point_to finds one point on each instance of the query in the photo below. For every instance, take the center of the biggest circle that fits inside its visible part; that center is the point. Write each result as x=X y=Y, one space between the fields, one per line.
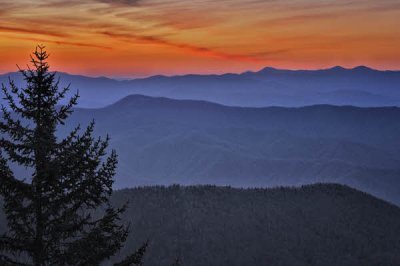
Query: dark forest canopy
x=323 y=224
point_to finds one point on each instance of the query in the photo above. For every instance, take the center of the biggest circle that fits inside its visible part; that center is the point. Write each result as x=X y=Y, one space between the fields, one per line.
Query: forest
x=322 y=224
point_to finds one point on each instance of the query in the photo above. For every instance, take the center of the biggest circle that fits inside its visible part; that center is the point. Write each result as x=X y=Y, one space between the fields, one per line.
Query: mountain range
x=166 y=141
x=175 y=140
x=359 y=86
x=227 y=139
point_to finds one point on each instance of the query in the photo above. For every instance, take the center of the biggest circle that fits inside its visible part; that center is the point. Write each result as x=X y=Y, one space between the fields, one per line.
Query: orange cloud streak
x=187 y=47
x=79 y=44
x=31 y=31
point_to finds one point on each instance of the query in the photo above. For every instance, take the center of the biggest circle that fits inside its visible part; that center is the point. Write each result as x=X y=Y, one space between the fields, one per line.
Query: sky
x=136 y=38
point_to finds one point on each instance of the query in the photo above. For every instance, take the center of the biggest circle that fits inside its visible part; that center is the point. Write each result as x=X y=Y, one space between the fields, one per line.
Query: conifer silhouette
x=50 y=213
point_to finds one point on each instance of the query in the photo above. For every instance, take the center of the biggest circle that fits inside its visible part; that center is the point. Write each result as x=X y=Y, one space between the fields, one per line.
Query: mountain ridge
x=165 y=100
x=319 y=224
x=165 y=141
x=123 y=79
x=358 y=86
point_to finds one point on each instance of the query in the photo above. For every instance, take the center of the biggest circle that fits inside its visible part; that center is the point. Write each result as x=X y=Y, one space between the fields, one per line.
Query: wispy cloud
x=187 y=47
x=31 y=31
x=60 y=42
x=296 y=19
x=121 y=2
x=269 y=53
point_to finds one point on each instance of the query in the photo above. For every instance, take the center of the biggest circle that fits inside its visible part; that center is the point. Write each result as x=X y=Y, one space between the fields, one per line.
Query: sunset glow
x=132 y=38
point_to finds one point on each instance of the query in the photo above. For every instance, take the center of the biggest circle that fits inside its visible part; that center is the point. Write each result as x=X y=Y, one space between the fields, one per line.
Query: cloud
x=266 y=54
x=70 y=3
x=60 y=42
x=31 y=31
x=187 y=20
x=295 y=20
x=187 y=47
x=384 y=7
x=120 y=2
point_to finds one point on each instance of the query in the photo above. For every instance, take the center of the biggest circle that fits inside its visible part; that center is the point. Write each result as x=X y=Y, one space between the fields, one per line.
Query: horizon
x=121 y=78
x=141 y=38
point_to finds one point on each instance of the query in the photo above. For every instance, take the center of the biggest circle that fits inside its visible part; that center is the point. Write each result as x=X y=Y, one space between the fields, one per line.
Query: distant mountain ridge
x=167 y=141
x=359 y=86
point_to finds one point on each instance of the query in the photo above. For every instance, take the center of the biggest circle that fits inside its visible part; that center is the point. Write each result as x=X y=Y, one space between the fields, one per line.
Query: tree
x=50 y=214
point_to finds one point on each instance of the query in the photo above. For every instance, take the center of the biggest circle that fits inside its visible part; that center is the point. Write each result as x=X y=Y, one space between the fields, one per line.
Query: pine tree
x=50 y=214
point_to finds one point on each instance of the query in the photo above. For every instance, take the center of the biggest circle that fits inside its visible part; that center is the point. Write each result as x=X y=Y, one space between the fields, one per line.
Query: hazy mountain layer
x=360 y=86
x=163 y=141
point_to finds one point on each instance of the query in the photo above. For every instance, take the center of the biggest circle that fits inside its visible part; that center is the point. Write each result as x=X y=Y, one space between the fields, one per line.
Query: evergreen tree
x=50 y=213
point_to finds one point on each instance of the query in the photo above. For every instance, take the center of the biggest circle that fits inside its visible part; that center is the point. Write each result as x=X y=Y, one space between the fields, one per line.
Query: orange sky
x=131 y=38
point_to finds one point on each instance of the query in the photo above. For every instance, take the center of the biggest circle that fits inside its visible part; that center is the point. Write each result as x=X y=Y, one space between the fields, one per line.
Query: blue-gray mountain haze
x=360 y=86
x=166 y=141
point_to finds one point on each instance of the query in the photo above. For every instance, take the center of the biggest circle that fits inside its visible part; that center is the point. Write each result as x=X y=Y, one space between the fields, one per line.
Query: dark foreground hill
x=322 y=224
x=313 y=225
x=164 y=141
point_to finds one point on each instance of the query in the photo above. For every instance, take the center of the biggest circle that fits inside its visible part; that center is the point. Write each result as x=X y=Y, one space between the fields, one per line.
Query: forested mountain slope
x=164 y=141
x=313 y=225
x=322 y=224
